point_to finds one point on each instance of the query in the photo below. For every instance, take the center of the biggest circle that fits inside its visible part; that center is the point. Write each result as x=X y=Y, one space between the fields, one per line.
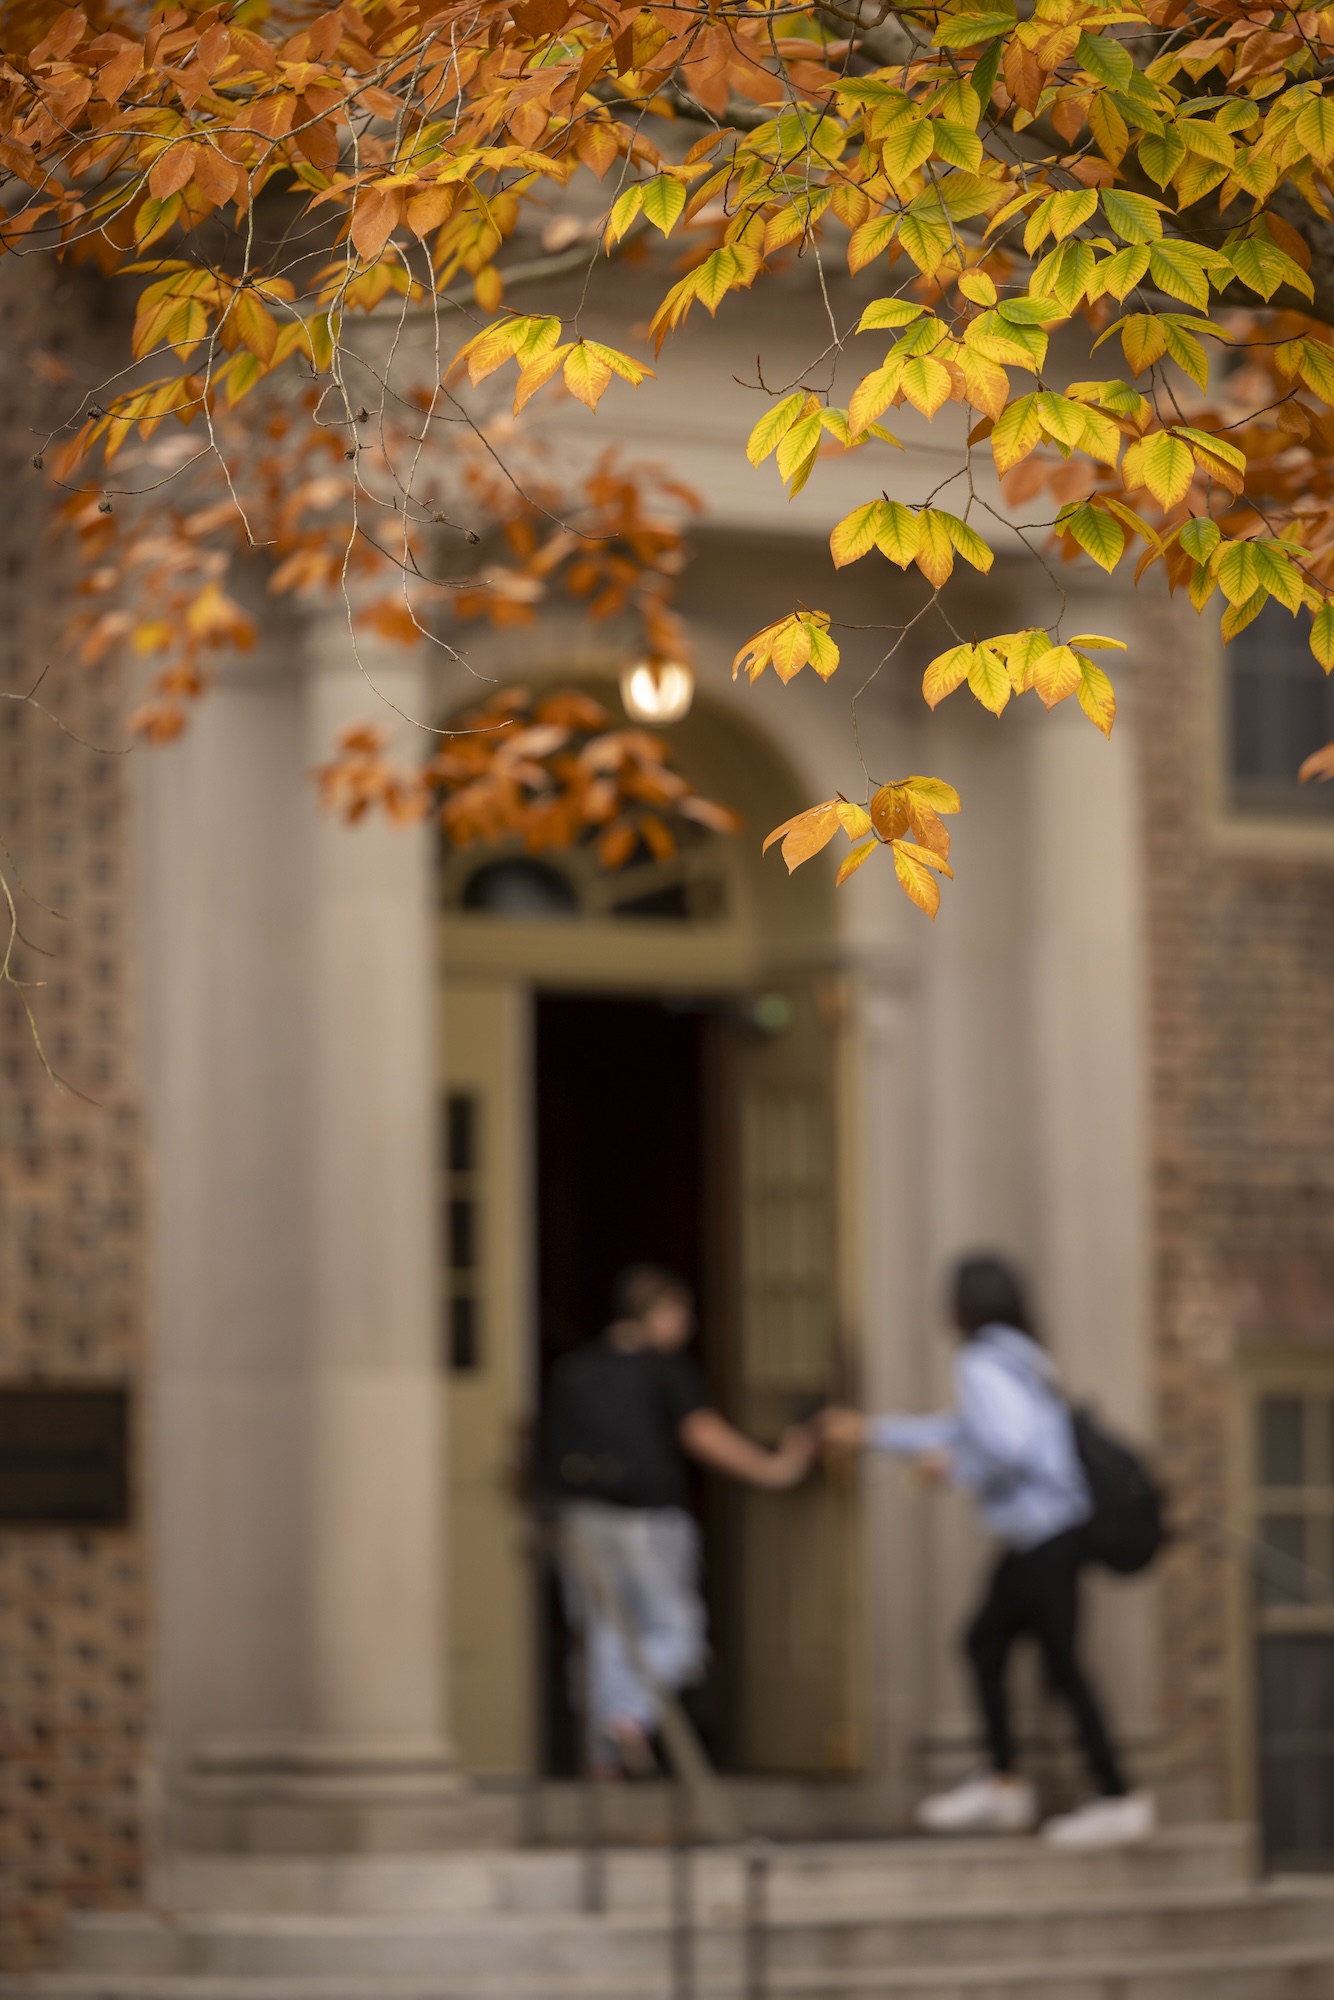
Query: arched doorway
x=645 y=1066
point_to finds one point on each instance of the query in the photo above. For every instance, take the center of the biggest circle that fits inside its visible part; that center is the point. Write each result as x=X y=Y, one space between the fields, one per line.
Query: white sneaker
x=1105 y=1823
x=987 y=1804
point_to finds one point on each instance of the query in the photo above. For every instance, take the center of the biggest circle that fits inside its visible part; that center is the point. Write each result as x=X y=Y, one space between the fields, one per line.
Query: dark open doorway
x=622 y=1178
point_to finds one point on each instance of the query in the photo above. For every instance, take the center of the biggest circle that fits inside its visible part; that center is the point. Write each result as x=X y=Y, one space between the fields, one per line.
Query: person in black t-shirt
x=625 y=1411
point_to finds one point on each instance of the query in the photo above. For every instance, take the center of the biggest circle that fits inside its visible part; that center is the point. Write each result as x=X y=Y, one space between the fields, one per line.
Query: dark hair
x=639 y=1287
x=989 y=1292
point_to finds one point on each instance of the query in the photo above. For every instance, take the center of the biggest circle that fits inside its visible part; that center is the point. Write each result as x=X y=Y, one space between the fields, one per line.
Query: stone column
x=376 y=1446
x=297 y=1463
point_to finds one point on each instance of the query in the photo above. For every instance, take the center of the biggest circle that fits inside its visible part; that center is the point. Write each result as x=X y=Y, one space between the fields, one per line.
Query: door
x=794 y=1606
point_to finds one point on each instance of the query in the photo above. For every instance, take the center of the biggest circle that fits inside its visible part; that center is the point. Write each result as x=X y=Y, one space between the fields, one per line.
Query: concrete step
x=469 y=1953
x=838 y=1875
x=1297 y=1971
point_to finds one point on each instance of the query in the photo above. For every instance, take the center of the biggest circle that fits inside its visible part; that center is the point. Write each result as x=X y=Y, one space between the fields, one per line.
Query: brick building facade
x=1241 y=926
x=73 y=1612
x=1241 y=1091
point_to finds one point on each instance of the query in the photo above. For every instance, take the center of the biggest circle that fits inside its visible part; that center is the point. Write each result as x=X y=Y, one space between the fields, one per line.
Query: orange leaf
x=806 y=834
x=377 y=216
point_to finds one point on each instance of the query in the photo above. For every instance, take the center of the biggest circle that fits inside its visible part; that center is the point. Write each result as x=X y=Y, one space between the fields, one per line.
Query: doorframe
x=646 y=959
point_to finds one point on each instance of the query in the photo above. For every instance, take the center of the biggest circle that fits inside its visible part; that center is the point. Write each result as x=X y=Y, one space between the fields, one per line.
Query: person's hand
x=933 y=1467
x=841 y=1432
x=794 y=1457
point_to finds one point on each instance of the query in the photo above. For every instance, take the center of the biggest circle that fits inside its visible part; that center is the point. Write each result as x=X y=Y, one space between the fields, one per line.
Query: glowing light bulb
x=657 y=690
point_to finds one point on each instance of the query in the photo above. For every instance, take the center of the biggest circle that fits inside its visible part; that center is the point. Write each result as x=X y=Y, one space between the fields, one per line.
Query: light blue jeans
x=630 y=1580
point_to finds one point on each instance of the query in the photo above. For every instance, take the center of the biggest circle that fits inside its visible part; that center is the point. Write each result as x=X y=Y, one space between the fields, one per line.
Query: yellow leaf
x=988 y=679
x=946 y=672
x=928 y=856
x=1095 y=643
x=935 y=549
x=933 y=792
x=926 y=384
x=774 y=425
x=1055 y=675
x=918 y=882
x=1018 y=430
x=663 y=200
x=968 y=542
x=898 y=532
x=1162 y=463
x=1097 y=697
x=488 y=288
x=852 y=862
x=257 y=328
x=537 y=372
x=824 y=653
x=855 y=534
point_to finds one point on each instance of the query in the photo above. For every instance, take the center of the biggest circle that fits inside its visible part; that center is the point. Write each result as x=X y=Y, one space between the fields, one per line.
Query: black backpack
x=1128 y=1526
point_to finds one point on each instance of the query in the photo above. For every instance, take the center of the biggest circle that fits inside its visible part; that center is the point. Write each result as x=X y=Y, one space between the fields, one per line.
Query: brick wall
x=1242 y=978
x=73 y=1643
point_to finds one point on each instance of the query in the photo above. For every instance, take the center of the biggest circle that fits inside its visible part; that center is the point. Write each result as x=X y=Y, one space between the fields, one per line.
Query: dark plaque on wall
x=64 y=1457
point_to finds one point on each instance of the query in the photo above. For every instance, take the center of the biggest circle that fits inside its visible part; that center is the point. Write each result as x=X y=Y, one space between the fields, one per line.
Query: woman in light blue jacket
x=1009 y=1444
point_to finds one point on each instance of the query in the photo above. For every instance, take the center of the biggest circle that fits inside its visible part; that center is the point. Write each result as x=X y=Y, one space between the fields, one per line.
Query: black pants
x=1037 y=1592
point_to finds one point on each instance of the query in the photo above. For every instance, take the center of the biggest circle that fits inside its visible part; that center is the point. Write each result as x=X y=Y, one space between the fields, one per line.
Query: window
x=1280 y=707
x=462 y=1232
x=64 y=1457
x=1292 y=1566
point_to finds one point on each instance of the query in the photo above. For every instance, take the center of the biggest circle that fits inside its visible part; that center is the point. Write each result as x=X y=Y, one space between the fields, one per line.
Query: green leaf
x=968 y=542
x=1322 y=636
x=1064 y=275
x=855 y=534
x=1121 y=273
x=1315 y=128
x=945 y=673
x=773 y=426
x=1015 y=433
x=958 y=145
x=1070 y=211
x=882 y=314
x=824 y=650
x=800 y=443
x=664 y=199
x=1213 y=447
x=1029 y=311
x=1187 y=352
x=1238 y=572
x=1279 y=576
x=988 y=679
x=1263 y=267
x=1097 y=533
x=1238 y=616
x=1161 y=153
x=1106 y=59
x=1317 y=370
x=926 y=242
x=907 y=147
x=1134 y=217
x=1176 y=270
x=1200 y=537
x=899 y=533
x=624 y=210
x=964 y=31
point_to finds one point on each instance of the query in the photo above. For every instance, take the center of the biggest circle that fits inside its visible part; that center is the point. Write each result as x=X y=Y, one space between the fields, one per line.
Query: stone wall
x=73 y=1616
x=1242 y=978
